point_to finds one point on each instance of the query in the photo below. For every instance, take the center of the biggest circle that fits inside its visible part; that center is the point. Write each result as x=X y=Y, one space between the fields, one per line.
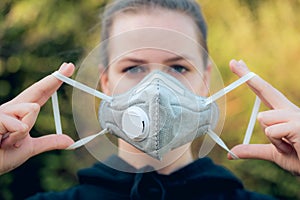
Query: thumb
x=253 y=151
x=51 y=142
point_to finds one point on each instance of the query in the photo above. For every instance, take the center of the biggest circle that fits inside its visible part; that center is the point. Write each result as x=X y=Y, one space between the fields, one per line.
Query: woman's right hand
x=18 y=116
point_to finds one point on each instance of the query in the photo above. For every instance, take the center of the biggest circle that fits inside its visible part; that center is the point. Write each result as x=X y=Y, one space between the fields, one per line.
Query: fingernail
x=64 y=65
x=233 y=62
x=242 y=62
x=259 y=116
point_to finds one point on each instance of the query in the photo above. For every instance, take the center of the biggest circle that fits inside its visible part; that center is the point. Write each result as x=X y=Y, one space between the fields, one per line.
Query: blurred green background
x=37 y=36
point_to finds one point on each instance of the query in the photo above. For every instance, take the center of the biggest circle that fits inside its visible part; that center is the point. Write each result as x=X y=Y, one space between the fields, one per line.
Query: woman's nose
x=156 y=66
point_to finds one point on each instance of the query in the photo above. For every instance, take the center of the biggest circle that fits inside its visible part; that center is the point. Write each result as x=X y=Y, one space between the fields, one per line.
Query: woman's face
x=169 y=47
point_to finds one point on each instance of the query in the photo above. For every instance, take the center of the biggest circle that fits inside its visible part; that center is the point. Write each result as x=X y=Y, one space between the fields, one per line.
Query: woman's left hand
x=281 y=125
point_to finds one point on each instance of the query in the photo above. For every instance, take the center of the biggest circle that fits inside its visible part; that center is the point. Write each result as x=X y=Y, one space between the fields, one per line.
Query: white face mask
x=157 y=115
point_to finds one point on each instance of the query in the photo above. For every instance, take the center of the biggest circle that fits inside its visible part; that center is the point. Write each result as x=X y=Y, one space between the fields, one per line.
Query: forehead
x=155 y=17
x=162 y=29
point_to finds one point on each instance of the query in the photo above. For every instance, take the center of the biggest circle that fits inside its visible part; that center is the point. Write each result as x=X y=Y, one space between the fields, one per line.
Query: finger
x=13 y=139
x=50 y=142
x=253 y=151
x=32 y=115
x=9 y=124
x=266 y=92
x=28 y=116
x=282 y=136
x=42 y=90
x=20 y=110
x=272 y=117
x=27 y=113
x=288 y=130
x=281 y=145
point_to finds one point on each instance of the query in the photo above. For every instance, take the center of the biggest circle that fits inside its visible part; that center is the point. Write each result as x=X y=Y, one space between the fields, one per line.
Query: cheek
x=204 y=91
x=199 y=88
x=196 y=84
x=120 y=85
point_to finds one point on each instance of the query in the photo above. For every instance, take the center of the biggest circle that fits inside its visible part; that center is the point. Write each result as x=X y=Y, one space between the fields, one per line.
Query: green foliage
x=6 y=180
x=37 y=36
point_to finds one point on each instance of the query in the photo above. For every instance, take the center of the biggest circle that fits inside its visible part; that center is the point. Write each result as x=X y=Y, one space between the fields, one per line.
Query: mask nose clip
x=135 y=123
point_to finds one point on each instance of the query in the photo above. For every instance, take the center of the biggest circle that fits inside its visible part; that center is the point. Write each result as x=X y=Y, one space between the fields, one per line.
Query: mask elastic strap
x=82 y=87
x=229 y=88
x=77 y=85
x=248 y=133
x=56 y=113
x=252 y=121
x=251 y=124
x=220 y=142
x=58 y=128
x=86 y=140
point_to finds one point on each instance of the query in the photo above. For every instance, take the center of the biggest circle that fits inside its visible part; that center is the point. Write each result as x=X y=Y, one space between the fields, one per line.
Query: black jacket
x=200 y=180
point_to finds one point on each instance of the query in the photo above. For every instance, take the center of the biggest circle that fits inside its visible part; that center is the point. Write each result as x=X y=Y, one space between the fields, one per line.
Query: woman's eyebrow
x=134 y=60
x=178 y=58
x=143 y=61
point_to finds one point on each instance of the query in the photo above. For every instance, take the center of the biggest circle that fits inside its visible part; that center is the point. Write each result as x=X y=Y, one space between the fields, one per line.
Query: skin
x=18 y=116
x=132 y=67
x=280 y=124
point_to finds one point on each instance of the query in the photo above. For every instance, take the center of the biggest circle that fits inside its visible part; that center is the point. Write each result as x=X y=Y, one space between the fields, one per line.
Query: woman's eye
x=134 y=69
x=178 y=69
